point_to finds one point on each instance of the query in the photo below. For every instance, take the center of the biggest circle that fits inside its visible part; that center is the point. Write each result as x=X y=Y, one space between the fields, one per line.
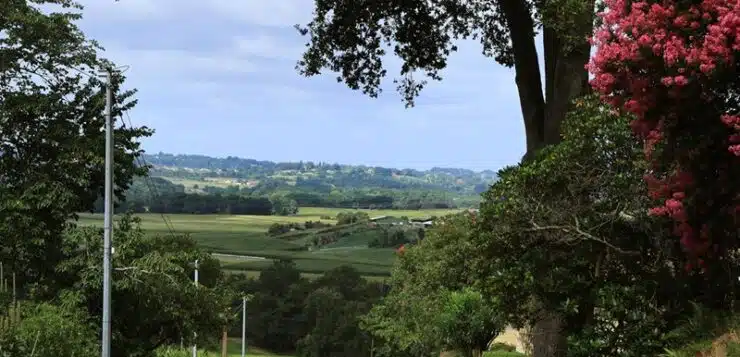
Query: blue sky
x=216 y=77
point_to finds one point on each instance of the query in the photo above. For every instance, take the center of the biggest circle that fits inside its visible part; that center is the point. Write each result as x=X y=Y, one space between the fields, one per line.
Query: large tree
x=51 y=131
x=352 y=38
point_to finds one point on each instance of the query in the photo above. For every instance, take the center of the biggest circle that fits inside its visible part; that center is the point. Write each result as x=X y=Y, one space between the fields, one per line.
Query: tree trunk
x=527 y=69
x=565 y=79
x=565 y=75
x=548 y=336
x=224 y=342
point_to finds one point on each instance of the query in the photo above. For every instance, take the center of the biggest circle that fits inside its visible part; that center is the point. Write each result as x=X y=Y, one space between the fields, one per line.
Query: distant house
x=422 y=224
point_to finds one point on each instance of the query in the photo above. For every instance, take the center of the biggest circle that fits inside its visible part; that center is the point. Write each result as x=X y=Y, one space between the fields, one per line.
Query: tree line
x=159 y=195
x=315 y=175
x=366 y=198
x=191 y=203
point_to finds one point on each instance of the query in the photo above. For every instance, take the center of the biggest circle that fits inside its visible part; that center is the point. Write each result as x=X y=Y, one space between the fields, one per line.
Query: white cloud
x=272 y=13
x=269 y=13
x=179 y=63
x=124 y=9
x=267 y=46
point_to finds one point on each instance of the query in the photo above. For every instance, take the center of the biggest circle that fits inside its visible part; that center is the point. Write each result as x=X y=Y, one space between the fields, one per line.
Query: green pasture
x=244 y=235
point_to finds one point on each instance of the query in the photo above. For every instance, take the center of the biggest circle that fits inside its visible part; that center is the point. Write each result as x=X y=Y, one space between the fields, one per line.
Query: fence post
x=224 y=341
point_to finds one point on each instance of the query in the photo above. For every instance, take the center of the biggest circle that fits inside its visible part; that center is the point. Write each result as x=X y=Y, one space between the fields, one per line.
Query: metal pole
x=108 y=223
x=195 y=334
x=244 y=326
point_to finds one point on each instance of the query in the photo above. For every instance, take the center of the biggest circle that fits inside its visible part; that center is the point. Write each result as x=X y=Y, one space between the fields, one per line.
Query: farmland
x=241 y=242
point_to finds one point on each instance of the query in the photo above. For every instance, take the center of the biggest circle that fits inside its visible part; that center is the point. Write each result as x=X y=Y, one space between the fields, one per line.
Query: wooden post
x=224 y=342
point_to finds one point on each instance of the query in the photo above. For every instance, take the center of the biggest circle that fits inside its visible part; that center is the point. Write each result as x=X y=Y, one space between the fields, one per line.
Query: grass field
x=245 y=236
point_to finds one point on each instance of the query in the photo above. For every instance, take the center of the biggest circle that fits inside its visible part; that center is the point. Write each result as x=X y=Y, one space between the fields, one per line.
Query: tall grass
x=10 y=312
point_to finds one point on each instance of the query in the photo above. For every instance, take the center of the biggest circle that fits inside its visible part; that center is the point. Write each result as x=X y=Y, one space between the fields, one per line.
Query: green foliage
x=332 y=311
x=154 y=294
x=318 y=318
x=49 y=330
x=407 y=320
x=277 y=318
x=566 y=234
x=283 y=206
x=51 y=137
x=703 y=331
x=554 y=227
x=171 y=198
x=503 y=354
x=394 y=237
x=282 y=228
x=351 y=217
x=504 y=347
x=467 y=321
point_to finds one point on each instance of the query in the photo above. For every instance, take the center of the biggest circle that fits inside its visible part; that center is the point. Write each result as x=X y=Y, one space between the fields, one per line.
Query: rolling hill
x=196 y=172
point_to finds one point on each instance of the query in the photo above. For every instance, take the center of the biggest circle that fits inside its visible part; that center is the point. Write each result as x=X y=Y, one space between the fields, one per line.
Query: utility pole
x=108 y=223
x=244 y=326
x=195 y=334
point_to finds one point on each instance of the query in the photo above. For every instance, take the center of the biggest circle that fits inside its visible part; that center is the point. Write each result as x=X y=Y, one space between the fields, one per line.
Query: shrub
x=49 y=330
x=500 y=346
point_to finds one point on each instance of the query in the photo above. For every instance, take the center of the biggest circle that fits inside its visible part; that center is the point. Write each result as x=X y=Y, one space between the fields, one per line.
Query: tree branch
x=576 y=229
x=137 y=269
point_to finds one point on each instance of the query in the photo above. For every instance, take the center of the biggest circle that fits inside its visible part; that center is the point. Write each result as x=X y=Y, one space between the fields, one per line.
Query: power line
x=153 y=192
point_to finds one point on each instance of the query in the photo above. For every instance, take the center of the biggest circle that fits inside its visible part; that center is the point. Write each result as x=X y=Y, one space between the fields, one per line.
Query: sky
x=217 y=78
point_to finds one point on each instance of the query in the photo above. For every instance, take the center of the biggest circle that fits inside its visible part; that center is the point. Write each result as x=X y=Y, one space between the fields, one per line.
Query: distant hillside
x=319 y=176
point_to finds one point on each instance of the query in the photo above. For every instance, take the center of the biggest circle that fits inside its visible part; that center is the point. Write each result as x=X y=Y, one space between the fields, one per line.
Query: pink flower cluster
x=654 y=59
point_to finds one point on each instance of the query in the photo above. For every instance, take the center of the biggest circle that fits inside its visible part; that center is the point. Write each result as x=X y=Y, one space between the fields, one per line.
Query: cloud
x=225 y=69
x=268 y=46
x=179 y=64
x=268 y=13
x=123 y=10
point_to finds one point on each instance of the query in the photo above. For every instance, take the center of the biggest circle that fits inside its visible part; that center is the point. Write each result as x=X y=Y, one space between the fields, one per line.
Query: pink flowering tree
x=673 y=65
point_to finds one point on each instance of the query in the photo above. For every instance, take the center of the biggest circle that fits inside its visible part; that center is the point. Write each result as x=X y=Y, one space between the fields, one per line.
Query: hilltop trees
x=352 y=37
x=51 y=138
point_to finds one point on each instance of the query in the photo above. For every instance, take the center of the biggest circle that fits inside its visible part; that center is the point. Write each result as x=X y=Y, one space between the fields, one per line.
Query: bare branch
x=137 y=269
x=576 y=229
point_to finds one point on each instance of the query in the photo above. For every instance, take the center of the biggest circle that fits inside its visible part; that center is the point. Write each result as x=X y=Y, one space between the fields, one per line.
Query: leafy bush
x=170 y=351
x=351 y=217
x=503 y=354
x=500 y=346
x=467 y=322
x=49 y=330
